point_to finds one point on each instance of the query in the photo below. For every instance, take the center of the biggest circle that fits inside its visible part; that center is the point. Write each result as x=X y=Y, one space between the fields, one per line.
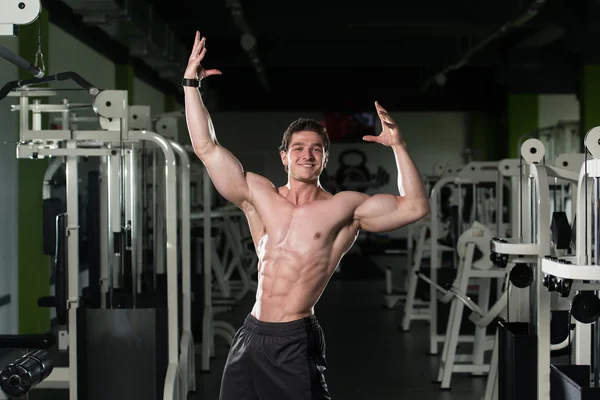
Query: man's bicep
x=375 y=206
x=227 y=175
x=381 y=213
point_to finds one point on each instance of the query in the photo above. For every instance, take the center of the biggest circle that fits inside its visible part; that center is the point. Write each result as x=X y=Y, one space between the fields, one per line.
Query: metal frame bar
x=187 y=359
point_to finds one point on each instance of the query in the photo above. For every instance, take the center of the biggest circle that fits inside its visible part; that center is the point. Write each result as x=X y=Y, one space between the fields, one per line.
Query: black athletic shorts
x=276 y=361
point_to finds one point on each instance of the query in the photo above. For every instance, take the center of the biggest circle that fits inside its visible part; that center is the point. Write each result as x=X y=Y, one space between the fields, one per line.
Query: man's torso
x=298 y=247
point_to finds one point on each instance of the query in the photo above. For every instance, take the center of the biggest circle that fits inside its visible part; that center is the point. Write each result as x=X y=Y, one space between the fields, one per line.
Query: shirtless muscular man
x=300 y=232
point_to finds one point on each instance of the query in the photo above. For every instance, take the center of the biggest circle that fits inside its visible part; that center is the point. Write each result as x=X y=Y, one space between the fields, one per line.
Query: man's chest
x=320 y=221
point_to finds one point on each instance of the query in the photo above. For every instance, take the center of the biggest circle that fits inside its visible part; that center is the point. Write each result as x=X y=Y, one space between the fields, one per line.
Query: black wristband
x=190 y=82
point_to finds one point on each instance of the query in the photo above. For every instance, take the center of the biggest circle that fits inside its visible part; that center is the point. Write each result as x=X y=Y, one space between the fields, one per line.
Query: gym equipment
x=115 y=144
x=39 y=341
x=585 y=307
x=25 y=373
x=222 y=251
x=526 y=254
x=121 y=219
x=582 y=268
x=19 y=377
x=15 y=14
x=478 y=236
x=59 y=300
x=580 y=271
x=561 y=230
x=472 y=174
x=167 y=127
x=521 y=275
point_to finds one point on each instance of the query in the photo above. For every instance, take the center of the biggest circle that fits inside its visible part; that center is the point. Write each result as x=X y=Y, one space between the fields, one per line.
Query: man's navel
x=317 y=235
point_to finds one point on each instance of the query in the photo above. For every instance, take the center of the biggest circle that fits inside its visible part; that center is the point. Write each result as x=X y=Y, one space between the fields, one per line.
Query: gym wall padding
x=589 y=98
x=522 y=118
x=9 y=132
x=34 y=268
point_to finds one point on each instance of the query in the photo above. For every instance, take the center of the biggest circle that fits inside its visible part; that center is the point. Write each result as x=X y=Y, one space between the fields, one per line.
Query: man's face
x=305 y=158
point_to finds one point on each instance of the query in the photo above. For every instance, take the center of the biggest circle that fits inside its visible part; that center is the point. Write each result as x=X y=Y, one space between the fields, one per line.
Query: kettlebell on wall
x=356 y=176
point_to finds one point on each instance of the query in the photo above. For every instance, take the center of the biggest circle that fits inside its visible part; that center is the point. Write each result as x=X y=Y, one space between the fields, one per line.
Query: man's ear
x=326 y=159
x=284 y=159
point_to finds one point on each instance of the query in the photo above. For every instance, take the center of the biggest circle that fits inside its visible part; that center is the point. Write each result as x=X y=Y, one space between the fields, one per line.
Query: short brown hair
x=304 y=124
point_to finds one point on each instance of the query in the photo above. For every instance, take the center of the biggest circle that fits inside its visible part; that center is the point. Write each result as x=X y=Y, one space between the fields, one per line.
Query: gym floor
x=368 y=357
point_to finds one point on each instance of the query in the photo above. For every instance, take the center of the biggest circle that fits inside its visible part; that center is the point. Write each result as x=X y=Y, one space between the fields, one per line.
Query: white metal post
x=72 y=264
x=104 y=230
x=170 y=205
x=187 y=340
x=172 y=378
x=541 y=295
x=114 y=195
x=185 y=234
x=207 y=318
x=583 y=332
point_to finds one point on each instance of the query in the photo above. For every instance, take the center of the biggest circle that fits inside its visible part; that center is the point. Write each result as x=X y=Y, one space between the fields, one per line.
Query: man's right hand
x=194 y=70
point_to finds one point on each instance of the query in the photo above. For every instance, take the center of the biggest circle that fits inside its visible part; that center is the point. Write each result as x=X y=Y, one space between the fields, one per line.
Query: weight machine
x=117 y=144
x=473 y=174
x=480 y=273
x=527 y=324
x=579 y=274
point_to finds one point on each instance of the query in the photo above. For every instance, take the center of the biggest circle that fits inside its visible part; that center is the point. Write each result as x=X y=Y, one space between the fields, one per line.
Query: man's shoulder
x=350 y=200
x=257 y=180
x=349 y=195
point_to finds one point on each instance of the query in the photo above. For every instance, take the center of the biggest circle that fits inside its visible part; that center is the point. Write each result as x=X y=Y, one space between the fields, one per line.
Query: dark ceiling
x=333 y=55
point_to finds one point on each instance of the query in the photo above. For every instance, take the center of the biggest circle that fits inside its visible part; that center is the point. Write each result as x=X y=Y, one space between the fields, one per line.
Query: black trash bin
x=122 y=354
x=572 y=382
x=517 y=361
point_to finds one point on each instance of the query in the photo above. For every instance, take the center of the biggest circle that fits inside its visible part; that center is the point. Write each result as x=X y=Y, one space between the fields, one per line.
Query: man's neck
x=300 y=193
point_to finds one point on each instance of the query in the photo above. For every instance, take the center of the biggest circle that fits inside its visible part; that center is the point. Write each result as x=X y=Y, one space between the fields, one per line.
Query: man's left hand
x=390 y=133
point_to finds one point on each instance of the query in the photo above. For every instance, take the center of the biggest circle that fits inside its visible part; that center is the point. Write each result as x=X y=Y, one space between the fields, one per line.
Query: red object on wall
x=345 y=127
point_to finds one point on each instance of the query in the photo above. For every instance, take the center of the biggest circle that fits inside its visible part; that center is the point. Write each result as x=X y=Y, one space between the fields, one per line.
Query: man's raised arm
x=225 y=170
x=386 y=212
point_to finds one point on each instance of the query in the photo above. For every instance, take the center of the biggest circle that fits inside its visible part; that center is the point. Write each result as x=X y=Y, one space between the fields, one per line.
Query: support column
x=589 y=98
x=486 y=136
x=34 y=265
x=124 y=80
x=522 y=119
